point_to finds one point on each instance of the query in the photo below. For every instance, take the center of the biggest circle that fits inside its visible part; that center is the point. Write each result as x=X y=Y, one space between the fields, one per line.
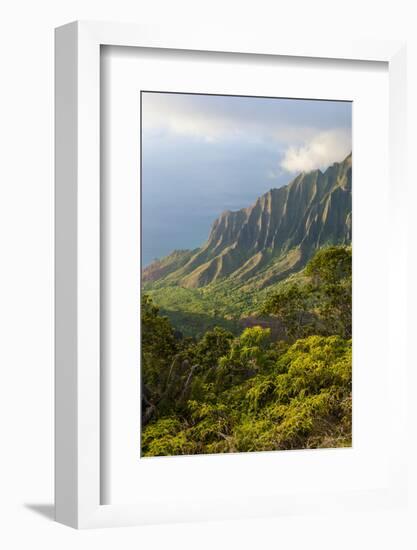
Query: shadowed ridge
x=312 y=210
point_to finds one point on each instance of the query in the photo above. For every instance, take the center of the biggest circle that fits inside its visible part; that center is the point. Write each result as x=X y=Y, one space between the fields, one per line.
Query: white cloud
x=177 y=114
x=319 y=152
x=214 y=118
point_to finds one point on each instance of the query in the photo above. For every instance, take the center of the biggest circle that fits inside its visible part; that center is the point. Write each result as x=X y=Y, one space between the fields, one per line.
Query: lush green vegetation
x=225 y=391
x=193 y=311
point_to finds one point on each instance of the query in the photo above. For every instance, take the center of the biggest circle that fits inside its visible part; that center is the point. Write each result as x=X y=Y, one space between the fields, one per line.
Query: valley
x=253 y=252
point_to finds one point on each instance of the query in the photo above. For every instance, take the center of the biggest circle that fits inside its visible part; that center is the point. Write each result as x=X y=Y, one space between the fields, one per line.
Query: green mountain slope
x=270 y=239
x=252 y=251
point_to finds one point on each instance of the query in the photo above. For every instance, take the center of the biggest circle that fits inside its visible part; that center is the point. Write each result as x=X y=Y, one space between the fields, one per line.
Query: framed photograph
x=230 y=241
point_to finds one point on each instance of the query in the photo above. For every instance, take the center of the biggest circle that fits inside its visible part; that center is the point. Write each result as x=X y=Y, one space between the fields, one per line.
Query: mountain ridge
x=273 y=237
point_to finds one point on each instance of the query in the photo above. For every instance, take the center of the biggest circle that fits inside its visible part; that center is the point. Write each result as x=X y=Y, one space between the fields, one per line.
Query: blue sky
x=204 y=154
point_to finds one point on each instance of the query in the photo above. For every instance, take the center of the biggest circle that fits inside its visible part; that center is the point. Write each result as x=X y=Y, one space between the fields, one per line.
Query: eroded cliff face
x=270 y=239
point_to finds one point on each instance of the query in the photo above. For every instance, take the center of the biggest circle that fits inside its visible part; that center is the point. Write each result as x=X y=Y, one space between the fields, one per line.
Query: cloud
x=319 y=152
x=182 y=115
x=215 y=118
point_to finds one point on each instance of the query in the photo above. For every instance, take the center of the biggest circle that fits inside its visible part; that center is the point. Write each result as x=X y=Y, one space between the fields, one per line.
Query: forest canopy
x=253 y=391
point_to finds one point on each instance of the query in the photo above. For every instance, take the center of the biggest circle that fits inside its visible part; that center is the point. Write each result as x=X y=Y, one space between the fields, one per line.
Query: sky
x=203 y=154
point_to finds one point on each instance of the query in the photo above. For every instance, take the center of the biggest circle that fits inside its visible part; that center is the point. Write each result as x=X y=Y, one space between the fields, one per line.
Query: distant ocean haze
x=187 y=184
x=202 y=155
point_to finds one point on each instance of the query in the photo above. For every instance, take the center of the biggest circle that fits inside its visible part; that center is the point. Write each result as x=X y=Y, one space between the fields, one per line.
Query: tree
x=331 y=273
x=330 y=265
x=247 y=355
x=323 y=304
x=214 y=344
x=290 y=306
x=158 y=350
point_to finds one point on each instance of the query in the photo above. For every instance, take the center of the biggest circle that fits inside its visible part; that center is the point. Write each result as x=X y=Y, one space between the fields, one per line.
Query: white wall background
x=26 y=272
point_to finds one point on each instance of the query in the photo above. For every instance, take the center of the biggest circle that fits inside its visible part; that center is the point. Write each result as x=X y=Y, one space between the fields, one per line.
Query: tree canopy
x=253 y=392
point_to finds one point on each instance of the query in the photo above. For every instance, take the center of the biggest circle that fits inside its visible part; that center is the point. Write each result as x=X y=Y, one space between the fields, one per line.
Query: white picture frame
x=78 y=405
